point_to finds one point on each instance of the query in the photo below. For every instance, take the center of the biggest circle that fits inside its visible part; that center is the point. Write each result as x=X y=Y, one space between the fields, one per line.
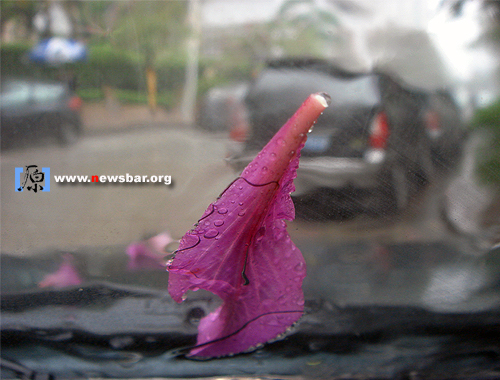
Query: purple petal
x=240 y=249
x=66 y=275
x=149 y=254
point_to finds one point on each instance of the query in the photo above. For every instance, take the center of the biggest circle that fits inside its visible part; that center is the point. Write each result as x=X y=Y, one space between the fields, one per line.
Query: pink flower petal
x=66 y=275
x=240 y=249
x=149 y=254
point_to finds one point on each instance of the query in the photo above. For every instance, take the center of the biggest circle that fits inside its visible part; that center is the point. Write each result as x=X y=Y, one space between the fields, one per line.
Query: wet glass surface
x=397 y=202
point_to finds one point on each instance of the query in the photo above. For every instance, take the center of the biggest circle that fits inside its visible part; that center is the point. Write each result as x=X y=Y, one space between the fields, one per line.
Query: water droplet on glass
x=218 y=223
x=211 y=233
x=223 y=210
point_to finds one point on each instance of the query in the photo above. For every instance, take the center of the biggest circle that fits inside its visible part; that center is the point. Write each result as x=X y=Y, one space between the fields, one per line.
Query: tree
x=303 y=28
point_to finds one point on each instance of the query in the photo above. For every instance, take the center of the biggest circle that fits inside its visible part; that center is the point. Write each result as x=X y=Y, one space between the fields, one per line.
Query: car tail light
x=379 y=131
x=75 y=103
x=433 y=123
x=238 y=121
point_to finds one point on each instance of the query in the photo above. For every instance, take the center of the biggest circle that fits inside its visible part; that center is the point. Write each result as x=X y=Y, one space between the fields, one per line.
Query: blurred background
x=398 y=195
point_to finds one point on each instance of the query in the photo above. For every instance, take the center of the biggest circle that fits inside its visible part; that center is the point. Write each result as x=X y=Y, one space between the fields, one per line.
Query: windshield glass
x=149 y=231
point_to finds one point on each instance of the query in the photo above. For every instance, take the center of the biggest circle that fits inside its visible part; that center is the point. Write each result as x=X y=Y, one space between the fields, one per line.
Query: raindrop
x=195 y=315
x=299 y=267
x=207 y=223
x=327 y=98
x=264 y=168
x=240 y=203
x=218 y=223
x=281 y=142
x=211 y=233
x=223 y=210
x=241 y=213
x=240 y=187
x=292 y=153
x=300 y=302
x=273 y=156
x=121 y=342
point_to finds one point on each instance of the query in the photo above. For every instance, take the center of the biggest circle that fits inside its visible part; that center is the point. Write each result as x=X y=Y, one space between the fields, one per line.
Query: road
x=71 y=216
x=76 y=215
x=413 y=258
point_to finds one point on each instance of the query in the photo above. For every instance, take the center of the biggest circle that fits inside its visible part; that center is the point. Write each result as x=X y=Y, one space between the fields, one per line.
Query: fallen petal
x=66 y=275
x=149 y=254
x=240 y=249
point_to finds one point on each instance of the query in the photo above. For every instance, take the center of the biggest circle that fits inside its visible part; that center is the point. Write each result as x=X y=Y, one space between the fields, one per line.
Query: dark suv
x=372 y=137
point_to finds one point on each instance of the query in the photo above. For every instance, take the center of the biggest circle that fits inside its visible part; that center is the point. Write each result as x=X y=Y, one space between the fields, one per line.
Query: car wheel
x=68 y=133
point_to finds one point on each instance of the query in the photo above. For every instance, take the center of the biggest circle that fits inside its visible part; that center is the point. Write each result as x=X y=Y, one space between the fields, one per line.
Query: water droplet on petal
x=218 y=223
x=211 y=233
x=206 y=223
x=273 y=156
x=241 y=213
x=264 y=168
x=299 y=267
x=300 y=302
x=281 y=142
x=223 y=210
x=240 y=203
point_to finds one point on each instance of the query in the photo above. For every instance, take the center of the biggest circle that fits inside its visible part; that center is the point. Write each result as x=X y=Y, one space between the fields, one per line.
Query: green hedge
x=489 y=161
x=125 y=72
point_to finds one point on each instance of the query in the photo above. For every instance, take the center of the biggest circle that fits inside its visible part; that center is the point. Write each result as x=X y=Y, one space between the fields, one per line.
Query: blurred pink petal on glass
x=149 y=254
x=66 y=275
x=241 y=251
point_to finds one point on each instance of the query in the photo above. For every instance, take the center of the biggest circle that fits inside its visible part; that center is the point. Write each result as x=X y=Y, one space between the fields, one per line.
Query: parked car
x=445 y=128
x=32 y=108
x=372 y=137
x=222 y=108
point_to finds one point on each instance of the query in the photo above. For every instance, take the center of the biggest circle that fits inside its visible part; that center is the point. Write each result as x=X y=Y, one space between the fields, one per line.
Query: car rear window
x=15 y=94
x=361 y=90
x=47 y=92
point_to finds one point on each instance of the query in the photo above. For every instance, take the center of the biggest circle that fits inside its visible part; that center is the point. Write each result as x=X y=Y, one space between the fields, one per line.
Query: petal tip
x=323 y=98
